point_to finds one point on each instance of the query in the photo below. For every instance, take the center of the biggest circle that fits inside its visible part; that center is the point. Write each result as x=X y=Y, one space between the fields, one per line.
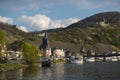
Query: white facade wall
x=59 y=53
x=48 y=52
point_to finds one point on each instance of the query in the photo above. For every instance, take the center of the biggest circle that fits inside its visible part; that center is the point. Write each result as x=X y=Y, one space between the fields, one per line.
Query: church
x=45 y=48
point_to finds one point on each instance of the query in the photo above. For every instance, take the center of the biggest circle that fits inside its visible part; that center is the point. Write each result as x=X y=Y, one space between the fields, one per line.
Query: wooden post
x=104 y=57
x=95 y=57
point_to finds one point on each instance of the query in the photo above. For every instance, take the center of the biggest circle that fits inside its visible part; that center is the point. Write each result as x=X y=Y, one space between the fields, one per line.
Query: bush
x=30 y=53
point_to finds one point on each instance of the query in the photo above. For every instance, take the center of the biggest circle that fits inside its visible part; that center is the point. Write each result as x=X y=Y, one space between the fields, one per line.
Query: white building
x=58 y=53
x=14 y=55
x=47 y=53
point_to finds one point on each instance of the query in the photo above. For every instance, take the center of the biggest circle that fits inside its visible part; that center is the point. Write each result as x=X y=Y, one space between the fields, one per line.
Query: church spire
x=45 y=43
x=45 y=35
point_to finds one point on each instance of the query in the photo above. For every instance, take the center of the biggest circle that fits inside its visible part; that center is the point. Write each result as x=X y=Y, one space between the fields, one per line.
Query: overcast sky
x=36 y=15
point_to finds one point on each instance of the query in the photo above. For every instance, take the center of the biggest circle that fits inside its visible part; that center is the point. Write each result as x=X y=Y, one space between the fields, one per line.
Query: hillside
x=12 y=33
x=100 y=32
x=112 y=18
x=102 y=28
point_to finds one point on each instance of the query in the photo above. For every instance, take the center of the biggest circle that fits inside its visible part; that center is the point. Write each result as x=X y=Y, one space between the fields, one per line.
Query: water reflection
x=30 y=72
x=11 y=75
x=73 y=72
x=53 y=73
x=61 y=71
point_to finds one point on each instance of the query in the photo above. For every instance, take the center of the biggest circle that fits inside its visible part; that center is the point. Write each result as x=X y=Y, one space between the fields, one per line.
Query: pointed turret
x=45 y=43
x=46 y=35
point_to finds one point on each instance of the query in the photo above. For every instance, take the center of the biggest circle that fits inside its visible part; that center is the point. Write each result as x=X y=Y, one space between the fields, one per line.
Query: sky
x=37 y=15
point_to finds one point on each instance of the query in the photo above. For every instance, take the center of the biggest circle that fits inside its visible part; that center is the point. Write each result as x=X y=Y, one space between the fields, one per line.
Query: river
x=67 y=71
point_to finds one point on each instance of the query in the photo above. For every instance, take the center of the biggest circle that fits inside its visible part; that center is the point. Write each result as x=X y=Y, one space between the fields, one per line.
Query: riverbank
x=59 y=61
x=11 y=66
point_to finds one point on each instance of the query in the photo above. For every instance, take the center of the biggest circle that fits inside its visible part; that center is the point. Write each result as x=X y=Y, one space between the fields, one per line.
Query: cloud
x=41 y=22
x=37 y=22
x=6 y=20
x=23 y=28
x=63 y=23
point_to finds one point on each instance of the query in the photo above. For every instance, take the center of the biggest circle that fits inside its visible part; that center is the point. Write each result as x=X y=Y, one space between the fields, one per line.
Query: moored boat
x=114 y=58
x=46 y=62
x=78 y=59
x=90 y=59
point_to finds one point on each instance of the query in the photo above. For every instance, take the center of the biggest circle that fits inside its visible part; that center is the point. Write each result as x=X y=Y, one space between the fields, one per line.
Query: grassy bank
x=11 y=66
x=59 y=60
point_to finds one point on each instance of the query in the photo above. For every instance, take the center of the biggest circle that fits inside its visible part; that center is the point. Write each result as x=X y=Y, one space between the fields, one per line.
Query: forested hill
x=93 y=21
x=103 y=28
x=12 y=33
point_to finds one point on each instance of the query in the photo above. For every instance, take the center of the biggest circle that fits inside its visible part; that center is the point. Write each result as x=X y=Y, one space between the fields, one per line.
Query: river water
x=67 y=71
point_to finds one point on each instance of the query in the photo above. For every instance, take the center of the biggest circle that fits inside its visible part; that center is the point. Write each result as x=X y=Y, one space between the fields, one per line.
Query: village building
x=58 y=53
x=14 y=55
x=48 y=52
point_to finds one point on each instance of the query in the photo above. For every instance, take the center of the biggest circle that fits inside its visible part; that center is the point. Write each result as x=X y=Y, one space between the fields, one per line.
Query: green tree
x=2 y=37
x=2 y=40
x=30 y=53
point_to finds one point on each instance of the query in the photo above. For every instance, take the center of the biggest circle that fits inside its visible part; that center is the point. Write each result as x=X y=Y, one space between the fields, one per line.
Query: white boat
x=90 y=60
x=78 y=59
x=114 y=58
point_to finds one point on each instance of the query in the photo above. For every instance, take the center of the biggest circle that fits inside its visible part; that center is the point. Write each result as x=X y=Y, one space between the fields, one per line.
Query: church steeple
x=46 y=50
x=46 y=35
x=45 y=43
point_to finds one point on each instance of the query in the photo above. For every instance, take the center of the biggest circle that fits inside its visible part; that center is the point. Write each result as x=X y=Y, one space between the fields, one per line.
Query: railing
x=102 y=55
